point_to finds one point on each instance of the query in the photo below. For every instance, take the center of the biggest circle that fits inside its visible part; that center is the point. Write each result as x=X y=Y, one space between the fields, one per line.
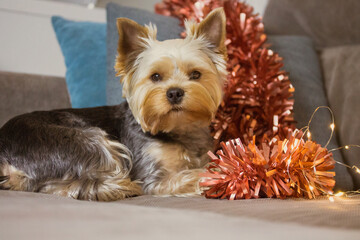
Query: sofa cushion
x=341 y=75
x=302 y=64
x=23 y=93
x=317 y=212
x=168 y=28
x=329 y=23
x=84 y=48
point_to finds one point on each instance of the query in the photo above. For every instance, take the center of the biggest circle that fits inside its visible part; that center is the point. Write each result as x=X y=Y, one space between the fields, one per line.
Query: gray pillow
x=342 y=84
x=302 y=64
x=328 y=23
x=168 y=28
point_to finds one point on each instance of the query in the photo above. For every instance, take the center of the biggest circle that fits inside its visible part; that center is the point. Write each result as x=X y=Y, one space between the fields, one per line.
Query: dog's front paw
x=184 y=183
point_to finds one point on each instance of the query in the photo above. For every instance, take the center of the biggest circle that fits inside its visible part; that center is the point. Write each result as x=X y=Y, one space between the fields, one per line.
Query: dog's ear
x=212 y=28
x=130 y=45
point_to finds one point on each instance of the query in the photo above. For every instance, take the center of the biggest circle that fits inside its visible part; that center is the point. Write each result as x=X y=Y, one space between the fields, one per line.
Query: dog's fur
x=147 y=145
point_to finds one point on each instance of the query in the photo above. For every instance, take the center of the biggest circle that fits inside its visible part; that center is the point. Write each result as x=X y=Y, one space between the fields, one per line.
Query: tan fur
x=182 y=183
x=202 y=50
x=181 y=169
x=133 y=39
x=106 y=189
x=172 y=157
x=195 y=30
x=148 y=100
x=130 y=34
x=16 y=180
x=108 y=180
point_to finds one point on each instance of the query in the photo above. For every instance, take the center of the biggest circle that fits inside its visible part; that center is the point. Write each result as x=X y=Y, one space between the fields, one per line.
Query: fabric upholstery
x=341 y=74
x=302 y=64
x=83 y=45
x=23 y=93
x=302 y=211
x=329 y=23
x=168 y=28
x=40 y=216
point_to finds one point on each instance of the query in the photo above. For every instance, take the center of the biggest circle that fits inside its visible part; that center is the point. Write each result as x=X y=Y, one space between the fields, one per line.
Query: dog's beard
x=196 y=109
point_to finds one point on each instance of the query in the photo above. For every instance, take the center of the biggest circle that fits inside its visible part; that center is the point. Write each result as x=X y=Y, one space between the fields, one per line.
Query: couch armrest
x=23 y=93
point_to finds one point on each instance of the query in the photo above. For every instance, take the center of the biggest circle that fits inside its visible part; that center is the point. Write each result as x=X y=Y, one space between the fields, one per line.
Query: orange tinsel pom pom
x=279 y=168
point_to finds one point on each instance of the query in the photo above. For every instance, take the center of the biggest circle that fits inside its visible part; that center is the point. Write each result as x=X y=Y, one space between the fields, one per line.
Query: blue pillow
x=168 y=28
x=83 y=45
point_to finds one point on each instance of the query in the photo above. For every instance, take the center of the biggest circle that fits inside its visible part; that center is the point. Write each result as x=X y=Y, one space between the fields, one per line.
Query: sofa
x=307 y=59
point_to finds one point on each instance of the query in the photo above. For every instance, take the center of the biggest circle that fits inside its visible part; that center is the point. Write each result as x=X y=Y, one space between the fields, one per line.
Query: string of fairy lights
x=306 y=131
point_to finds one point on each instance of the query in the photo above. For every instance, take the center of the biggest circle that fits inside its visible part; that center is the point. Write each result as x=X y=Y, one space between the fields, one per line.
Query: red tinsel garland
x=257 y=110
x=288 y=168
x=257 y=97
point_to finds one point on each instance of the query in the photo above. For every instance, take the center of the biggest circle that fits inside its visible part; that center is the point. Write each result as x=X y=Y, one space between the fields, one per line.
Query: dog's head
x=173 y=85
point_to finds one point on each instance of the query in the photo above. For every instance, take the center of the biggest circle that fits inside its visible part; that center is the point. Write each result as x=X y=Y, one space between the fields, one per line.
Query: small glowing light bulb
x=331 y=199
x=347 y=147
x=199 y=5
x=357 y=169
x=311 y=187
x=308 y=135
x=332 y=126
x=339 y=194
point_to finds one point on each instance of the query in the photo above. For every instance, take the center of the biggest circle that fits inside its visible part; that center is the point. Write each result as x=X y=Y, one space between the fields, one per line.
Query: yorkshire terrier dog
x=154 y=143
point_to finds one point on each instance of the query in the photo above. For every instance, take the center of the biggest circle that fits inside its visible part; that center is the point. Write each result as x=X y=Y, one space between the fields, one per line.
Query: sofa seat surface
x=40 y=216
x=343 y=213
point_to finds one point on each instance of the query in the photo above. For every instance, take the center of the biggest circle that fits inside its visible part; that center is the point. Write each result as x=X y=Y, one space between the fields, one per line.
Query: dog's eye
x=195 y=75
x=156 y=77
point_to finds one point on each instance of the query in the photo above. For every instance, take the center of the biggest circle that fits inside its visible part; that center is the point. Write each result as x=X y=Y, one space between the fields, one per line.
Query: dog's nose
x=175 y=95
